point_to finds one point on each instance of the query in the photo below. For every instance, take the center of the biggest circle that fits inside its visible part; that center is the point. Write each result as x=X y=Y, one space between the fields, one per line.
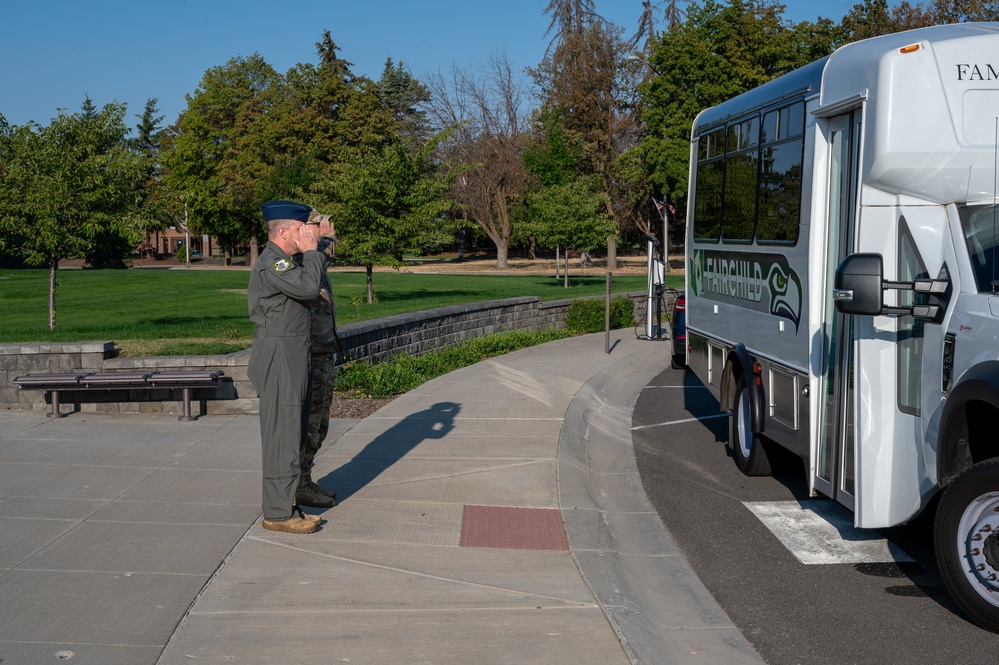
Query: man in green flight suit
x=325 y=349
x=279 y=296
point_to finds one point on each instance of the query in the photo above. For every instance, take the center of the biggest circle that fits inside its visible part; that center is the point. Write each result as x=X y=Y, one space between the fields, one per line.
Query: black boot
x=310 y=494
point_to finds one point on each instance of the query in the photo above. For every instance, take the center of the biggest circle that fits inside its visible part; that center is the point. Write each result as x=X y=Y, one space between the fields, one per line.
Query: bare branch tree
x=488 y=109
x=569 y=17
x=672 y=17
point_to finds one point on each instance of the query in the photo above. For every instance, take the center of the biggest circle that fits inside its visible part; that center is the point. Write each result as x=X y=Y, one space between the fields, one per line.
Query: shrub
x=587 y=316
x=405 y=371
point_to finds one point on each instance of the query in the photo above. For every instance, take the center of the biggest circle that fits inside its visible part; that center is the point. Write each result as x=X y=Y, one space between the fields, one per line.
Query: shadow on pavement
x=390 y=446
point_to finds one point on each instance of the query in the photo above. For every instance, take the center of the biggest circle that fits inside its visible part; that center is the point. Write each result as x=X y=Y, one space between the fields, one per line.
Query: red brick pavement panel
x=506 y=527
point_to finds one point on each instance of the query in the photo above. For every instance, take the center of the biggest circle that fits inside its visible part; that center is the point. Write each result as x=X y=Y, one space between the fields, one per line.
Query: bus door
x=833 y=469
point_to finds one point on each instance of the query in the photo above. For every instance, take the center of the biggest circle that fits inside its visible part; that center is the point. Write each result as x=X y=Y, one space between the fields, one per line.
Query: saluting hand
x=307 y=239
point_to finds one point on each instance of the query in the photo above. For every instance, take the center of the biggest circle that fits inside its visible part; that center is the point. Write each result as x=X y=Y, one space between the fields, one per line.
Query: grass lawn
x=168 y=312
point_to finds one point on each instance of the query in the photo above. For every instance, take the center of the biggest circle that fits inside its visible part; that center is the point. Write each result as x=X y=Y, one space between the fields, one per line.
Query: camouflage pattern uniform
x=325 y=349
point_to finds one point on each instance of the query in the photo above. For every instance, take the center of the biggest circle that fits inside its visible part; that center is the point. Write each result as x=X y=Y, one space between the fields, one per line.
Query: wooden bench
x=185 y=380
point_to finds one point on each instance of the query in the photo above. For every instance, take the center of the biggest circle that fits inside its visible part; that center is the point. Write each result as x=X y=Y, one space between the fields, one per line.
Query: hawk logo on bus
x=761 y=282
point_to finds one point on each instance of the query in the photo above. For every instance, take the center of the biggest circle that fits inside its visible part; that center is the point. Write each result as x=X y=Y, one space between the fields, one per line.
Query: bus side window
x=708 y=186
x=707 y=208
x=741 y=165
x=795 y=121
x=780 y=175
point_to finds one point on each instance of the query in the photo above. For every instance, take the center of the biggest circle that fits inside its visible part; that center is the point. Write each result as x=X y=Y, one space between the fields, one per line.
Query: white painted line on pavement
x=821 y=532
x=681 y=387
x=680 y=422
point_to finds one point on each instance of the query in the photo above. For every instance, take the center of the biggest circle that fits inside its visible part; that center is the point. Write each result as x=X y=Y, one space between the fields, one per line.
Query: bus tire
x=966 y=539
x=748 y=448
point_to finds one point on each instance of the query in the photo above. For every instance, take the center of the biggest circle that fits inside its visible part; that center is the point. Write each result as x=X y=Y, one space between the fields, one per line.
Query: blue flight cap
x=285 y=210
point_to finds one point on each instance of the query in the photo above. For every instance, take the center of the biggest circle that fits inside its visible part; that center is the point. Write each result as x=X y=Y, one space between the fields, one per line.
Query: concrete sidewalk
x=446 y=546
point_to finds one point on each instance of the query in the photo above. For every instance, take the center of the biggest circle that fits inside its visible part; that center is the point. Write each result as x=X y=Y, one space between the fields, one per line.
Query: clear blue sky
x=54 y=52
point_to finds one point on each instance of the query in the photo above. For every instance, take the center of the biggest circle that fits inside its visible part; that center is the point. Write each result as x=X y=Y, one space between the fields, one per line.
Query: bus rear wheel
x=966 y=539
x=749 y=450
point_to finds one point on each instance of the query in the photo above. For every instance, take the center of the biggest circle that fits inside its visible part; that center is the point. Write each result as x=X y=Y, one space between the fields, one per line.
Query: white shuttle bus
x=843 y=284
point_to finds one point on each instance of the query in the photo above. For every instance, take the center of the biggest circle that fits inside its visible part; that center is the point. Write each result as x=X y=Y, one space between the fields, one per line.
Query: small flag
x=659 y=204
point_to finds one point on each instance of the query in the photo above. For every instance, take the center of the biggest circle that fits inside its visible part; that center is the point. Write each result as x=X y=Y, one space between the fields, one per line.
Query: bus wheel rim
x=745 y=436
x=978 y=544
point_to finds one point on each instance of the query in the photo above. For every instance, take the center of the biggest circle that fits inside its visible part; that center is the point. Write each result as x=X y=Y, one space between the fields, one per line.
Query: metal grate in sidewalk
x=506 y=527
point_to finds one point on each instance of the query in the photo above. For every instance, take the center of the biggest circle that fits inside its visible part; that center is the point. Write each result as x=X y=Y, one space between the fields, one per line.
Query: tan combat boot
x=310 y=494
x=296 y=524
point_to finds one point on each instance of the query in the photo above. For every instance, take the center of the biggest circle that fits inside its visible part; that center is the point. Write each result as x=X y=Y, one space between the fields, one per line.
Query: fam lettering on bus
x=968 y=72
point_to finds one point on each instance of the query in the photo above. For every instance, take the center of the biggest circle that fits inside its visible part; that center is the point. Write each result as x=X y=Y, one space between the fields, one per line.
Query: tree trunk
x=371 y=291
x=612 y=252
x=566 y=271
x=584 y=260
x=532 y=249
x=53 y=266
x=502 y=248
x=557 y=259
x=254 y=252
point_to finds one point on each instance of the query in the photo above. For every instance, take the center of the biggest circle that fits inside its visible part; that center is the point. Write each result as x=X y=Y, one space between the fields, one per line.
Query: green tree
x=87 y=108
x=720 y=51
x=146 y=141
x=872 y=18
x=302 y=133
x=207 y=159
x=568 y=214
x=385 y=202
x=154 y=208
x=67 y=188
x=960 y=11
x=869 y=19
x=550 y=157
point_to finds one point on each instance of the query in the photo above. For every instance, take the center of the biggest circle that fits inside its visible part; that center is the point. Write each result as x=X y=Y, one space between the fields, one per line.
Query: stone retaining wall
x=415 y=333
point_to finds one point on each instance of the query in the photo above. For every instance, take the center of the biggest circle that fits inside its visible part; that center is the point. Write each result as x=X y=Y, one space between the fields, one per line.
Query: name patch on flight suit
x=281 y=265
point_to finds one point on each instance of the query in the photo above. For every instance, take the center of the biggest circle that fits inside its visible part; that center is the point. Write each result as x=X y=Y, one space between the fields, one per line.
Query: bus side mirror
x=859 y=287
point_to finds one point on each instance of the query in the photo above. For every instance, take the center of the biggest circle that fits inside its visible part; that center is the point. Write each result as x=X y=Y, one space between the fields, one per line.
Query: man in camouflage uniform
x=325 y=349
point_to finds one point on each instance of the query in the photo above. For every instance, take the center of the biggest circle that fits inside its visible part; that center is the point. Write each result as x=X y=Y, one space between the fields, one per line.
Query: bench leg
x=187 y=417
x=55 y=406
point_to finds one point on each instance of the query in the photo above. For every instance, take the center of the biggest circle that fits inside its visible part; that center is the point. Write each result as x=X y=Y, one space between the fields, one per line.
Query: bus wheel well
x=968 y=439
x=730 y=376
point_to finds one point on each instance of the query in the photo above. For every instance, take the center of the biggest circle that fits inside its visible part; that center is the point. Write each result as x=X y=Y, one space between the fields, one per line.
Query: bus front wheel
x=748 y=448
x=966 y=538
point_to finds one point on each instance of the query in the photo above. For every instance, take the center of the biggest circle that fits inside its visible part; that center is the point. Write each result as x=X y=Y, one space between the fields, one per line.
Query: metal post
x=607 y=316
x=55 y=406
x=659 y=310
x=187 y=407
x=187 y=236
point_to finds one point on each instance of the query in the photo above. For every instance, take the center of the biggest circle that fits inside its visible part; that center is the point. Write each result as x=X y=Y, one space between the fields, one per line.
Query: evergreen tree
x=146 y=141
x=403 y=94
